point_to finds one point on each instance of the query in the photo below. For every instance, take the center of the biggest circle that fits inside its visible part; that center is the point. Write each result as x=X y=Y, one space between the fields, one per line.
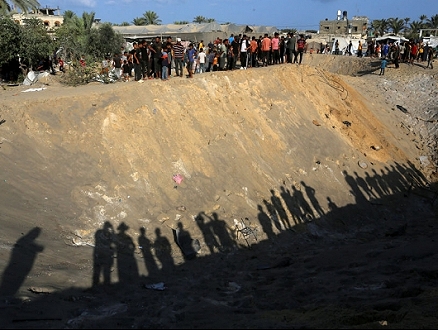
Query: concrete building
x=355 y=28
x=51 y=17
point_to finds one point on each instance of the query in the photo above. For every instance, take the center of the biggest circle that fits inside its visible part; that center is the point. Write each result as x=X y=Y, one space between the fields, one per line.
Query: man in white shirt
x=202 y=59
x=244 y=46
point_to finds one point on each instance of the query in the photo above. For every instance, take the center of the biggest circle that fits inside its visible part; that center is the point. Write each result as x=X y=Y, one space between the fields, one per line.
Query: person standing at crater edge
x=301 y=45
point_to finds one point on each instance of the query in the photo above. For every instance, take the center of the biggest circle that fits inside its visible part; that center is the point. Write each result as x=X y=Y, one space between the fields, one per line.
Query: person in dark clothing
x=169 y=52
x=301 y=44
x=144 y=62
x=350 y=48
x=395 y=55
x=291 y=55
x=282 y=49
x=235 y=45
x=117 y=64
x=155 y=49
x=137 y=61
x=430 y=55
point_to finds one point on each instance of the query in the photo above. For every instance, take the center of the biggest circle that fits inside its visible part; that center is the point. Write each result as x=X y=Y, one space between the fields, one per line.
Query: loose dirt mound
x=317 y=167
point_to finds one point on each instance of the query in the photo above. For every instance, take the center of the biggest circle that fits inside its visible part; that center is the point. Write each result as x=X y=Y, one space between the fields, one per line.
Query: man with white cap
x=178 y=54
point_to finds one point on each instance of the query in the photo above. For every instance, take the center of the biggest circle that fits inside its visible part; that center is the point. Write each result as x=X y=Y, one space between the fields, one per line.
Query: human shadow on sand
x=146 y=246
x=23 y=256
x=103 y=254
x=189 y=247
x=127 y=268
x=190 y=283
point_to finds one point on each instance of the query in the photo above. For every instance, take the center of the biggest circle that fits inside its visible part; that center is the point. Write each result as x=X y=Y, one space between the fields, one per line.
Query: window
x=57 y=23
x=46 y=23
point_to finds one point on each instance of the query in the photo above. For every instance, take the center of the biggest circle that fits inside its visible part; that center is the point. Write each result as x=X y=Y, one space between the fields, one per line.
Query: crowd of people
x=409 y=52
x=161 y=59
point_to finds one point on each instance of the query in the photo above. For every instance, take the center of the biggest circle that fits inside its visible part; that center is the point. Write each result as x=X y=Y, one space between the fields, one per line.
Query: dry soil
x=307 y=200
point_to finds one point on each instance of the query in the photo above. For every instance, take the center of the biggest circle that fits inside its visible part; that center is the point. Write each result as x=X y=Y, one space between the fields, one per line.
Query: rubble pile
x=417 y=96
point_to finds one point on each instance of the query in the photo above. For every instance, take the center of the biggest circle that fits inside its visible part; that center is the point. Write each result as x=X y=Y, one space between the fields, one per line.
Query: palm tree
x=379 y=26
x=139 y=21
x=396 y=25
x=23 y=5
x=199 y=19
x=181 y=22
x=151 y=18
x=88 y=20
x=415 y=27
x=74 y=23
x=294 y=31
x=432 y=23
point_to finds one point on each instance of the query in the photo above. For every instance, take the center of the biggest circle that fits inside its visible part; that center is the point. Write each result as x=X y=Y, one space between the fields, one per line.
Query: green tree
x=71 y=36
x=139 y=21
x=73 y=24
x=69 y=16
x=10 y=40
x=36 y=44
x=294 y=31
x=10 y=43
x=151 y=18
x=396 y=25
x=181 y=22
x=103 y=41
x=432 y=22
x=24 y=5
x=199 y=19
x=379 y=26
x=88 y=20
x=415 y=27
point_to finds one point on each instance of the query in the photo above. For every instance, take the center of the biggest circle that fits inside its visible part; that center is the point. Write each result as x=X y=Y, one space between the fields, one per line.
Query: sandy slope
x=317 y=161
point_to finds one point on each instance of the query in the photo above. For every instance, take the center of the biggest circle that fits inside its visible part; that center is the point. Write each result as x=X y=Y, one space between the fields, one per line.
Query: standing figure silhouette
x=163 y=252
x=146 y=249
x=21 y=262
x=103 y=256
x=127 y=268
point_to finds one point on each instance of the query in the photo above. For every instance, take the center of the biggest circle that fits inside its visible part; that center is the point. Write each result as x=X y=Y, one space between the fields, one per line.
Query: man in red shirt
x=253 y=48
x=301 y=44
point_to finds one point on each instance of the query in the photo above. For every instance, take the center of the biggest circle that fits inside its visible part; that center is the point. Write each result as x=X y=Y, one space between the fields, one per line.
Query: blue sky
x=298 y=14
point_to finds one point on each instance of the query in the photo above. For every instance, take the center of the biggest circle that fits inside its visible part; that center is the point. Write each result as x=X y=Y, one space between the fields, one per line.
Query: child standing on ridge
x=383 y=65
x=164 y=65
x=126 y=70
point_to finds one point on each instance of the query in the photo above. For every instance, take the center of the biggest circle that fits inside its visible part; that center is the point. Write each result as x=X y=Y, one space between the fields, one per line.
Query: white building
x=51 y=17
